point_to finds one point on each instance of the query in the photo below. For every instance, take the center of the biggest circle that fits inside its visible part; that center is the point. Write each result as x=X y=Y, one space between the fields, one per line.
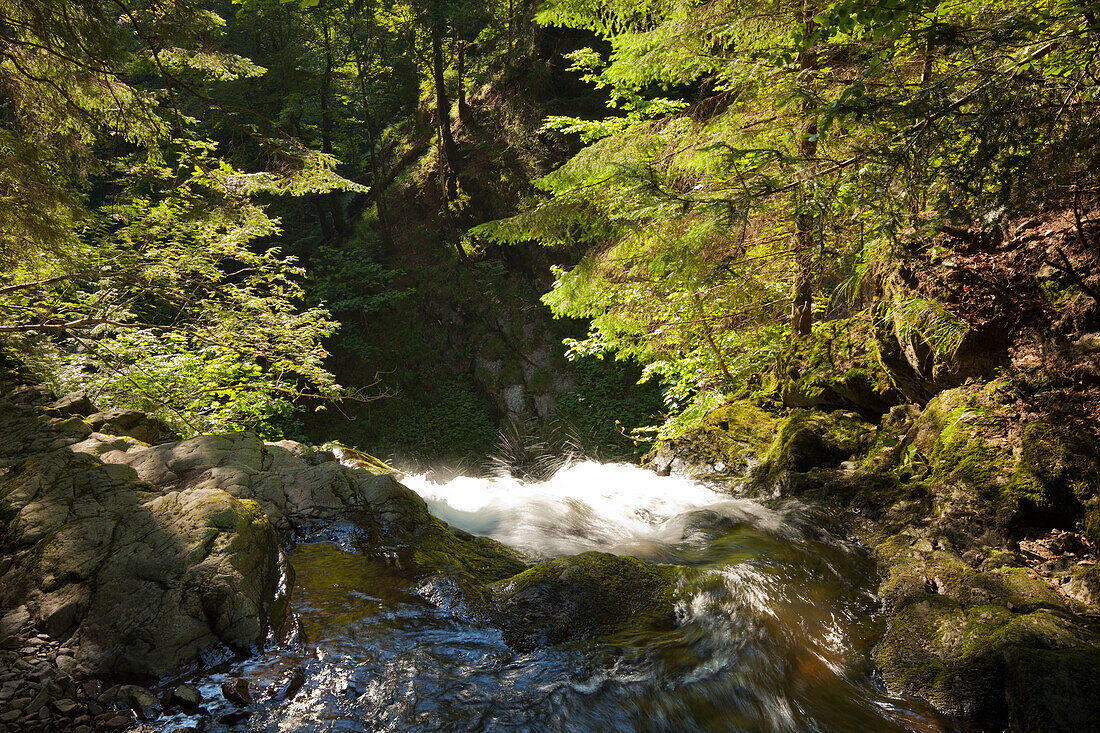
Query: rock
x=74 y=403
x=64 y=706
x=837 y=368
x=234 y=718
x=186 y=696
x=294 y=683
x=138 y=699
x=39 y=700
x=66 y=664
x=590 y=594
x=132 y=423
x=290 y=490
x=807 y=440
x=10 y=716
x=237 y=691
x=118 y=722
x=170 y=574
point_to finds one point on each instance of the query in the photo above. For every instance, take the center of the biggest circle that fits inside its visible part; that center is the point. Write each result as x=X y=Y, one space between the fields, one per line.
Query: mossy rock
x=727 y=441
x=954 y=632
x=583 y=596
x=836 y=367
x=808 y=440
x=437 y=547
x=1053 y=689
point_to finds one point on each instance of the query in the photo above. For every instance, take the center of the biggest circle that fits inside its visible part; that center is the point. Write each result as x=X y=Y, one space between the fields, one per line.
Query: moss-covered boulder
x=725 y=442
x=837 y=367
x=586 y=595
x=966 y=638
x=807 y=442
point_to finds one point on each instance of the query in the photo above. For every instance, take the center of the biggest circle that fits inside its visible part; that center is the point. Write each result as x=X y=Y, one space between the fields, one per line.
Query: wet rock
x=185 y=696
x=294 y=683
x=584 y=595
x=237 y=691
x=234 y=718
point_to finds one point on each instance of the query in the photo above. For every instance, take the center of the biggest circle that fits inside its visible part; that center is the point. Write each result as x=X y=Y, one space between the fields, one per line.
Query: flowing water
x=773 y=630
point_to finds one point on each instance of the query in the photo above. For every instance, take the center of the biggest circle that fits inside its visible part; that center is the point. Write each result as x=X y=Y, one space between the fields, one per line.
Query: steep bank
x=974 y=477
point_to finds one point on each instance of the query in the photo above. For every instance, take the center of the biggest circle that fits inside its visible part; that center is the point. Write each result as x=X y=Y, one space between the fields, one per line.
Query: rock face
x=136 y=580
x=291 y=490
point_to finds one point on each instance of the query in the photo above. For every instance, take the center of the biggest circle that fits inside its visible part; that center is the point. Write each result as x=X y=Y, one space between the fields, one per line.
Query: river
x=774 y=631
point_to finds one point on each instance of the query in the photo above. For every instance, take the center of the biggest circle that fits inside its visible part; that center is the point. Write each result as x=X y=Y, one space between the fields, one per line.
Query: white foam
x=611 y=507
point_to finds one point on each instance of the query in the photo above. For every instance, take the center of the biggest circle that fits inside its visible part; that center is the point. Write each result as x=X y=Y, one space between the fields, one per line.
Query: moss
x=951 y=628
x=591 y=594
x=835 y=367
x=806 y=440
x=1037 y=484
x=1068 y=697
x=438 y=548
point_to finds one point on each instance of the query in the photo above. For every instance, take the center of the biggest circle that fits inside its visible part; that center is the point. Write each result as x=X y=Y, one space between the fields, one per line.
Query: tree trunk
x=463 y=108
x=802 y=300
x=336 y=209
x=448 y=164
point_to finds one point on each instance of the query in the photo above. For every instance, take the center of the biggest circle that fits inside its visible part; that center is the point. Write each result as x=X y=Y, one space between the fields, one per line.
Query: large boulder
x=136 y=581
x=292 y=490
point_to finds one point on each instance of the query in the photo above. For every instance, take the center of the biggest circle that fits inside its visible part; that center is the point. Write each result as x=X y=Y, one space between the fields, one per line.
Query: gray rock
x=74 y=403
x=39 y=700
x=290 y=489
x=132 y=423
x=170 y=574
x=186 y=696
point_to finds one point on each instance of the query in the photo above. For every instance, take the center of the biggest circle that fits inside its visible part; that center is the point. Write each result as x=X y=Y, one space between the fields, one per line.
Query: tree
x=126 y=247
x=751 y=168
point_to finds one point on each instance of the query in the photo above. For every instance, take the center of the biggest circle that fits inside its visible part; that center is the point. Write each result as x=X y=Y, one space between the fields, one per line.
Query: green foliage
x=758 y=150
x=606 y=406
x=145 y=285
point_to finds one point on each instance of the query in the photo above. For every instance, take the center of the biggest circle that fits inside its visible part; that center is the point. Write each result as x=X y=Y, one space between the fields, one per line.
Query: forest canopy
x=204 y=198
x=764 y=165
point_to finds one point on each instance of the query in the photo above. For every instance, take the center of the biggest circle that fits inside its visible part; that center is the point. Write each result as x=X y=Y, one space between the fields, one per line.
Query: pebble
x=66 y=664
x=64 y=706
x=10 y=716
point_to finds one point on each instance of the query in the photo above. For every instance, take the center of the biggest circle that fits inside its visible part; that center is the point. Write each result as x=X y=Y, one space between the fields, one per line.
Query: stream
x=773 y=632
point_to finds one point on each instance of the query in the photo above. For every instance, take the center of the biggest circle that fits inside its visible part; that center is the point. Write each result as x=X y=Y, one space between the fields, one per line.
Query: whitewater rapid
x=609 y=507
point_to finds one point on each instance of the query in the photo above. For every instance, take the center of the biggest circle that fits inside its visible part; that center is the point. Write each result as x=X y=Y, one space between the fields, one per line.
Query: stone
x=64 y=706
x=39 y=700
x=580 y=596
x=175 y=572
x=74 y=403
x=66 y=663
x=237 y=691
x=10 y=716
x=186 y=696
x=118 y=722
